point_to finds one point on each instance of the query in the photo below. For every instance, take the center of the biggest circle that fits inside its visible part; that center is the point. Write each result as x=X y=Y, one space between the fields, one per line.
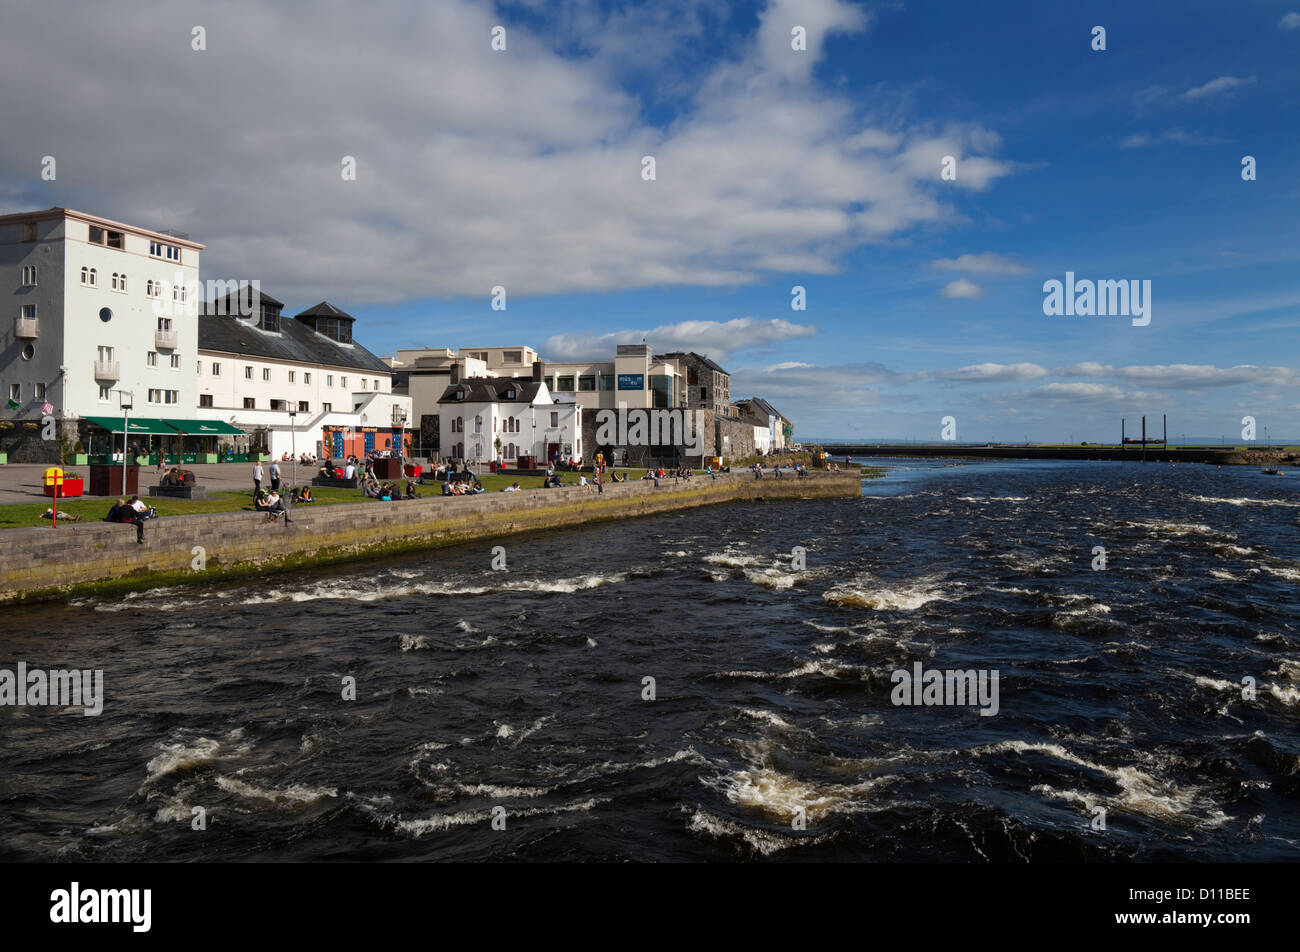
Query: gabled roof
x=236 y=301
x=296 y=343
x=492 y=390
x=761 y=407
x=325 y=309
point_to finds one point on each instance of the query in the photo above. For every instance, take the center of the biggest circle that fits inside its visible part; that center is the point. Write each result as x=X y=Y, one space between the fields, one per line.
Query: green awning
x=204 y=427
x=139 y=426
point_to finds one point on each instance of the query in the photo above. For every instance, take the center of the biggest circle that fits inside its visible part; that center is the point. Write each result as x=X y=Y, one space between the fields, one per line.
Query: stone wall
x=47 y=562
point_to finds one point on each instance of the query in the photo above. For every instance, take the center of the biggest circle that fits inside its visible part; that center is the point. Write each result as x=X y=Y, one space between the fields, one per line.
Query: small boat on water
x=1271 y=471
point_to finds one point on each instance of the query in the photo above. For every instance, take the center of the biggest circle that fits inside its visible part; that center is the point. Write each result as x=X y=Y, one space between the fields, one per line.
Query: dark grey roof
x=326 y=309
x=492 y=390
x=762 y=407
x=230 y=303
x=296 y=342
x=701 y=358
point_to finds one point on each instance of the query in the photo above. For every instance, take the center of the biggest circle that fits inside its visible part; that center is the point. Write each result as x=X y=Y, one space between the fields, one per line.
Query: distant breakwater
x=45 y=562
x=1223 y=456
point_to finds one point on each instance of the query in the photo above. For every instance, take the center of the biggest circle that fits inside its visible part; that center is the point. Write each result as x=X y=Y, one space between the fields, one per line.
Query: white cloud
x=987 y=263
x=983 y=373
x=1141 y=140
x=474 y=168
x=1186 y=376
x=1216 y=86
x=961 y=288
x=716 y=339
x=1074 y=391
x=1289 y=22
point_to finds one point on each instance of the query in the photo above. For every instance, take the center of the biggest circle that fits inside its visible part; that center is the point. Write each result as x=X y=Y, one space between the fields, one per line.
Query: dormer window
x=510 y=394
x=460 y=394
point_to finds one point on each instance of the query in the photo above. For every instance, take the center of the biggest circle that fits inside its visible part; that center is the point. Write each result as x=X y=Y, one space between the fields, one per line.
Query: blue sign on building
x=631 y=381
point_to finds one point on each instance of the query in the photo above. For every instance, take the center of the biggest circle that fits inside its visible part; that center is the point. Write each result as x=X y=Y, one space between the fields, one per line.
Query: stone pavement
x=23 y=482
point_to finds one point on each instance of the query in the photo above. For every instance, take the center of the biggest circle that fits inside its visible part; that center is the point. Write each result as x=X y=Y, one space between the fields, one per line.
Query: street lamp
x=126 y=400
x=293 y=441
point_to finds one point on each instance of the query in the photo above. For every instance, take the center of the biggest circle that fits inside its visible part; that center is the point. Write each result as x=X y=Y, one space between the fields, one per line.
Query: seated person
x=512 y=488
x=304 y=495
x=349 y=471
x=447 y=489
x=260 y=502
x=410 y=491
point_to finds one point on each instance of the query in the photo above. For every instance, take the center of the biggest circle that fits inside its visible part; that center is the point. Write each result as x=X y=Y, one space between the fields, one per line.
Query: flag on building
x=14 y=404
x=47 y=408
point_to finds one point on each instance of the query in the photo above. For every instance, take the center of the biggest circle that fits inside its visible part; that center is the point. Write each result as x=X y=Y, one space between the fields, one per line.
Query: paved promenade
x=22 y=482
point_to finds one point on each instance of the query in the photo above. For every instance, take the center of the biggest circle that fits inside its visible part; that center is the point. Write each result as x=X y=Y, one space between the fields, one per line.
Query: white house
x=520 y=413
x=298 y=384
x=98 y=310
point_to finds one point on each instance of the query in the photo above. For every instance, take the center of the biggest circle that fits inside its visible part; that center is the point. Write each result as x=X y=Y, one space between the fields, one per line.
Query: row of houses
x=111 y=323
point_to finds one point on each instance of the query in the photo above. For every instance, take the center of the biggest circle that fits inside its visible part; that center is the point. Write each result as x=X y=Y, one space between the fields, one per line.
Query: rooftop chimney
x=537 y=371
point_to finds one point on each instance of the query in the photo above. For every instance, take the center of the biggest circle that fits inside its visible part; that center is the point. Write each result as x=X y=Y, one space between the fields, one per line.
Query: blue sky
x=775 y=168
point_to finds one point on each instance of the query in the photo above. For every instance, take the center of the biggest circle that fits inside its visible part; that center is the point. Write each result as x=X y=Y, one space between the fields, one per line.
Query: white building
x=520 y=413
x=298 y=384
x=84 y=295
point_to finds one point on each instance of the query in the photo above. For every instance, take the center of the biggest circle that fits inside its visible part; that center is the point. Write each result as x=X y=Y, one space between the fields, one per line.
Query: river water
x=505 y=714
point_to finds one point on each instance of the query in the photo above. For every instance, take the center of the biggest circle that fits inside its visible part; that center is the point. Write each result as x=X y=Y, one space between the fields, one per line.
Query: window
x=205 y=400
x=291 y=376
x=105 y=354
x=29 y=351
x=89 y=277
x=279 y=405
x=376 y=384
x=119 y=281
x=363 y=383
x=105 y=314
x=329 y=380
x=458 y=425
x=327 y=408
x=343 y=382
x=512 y=357
x=164 y=323
x=155 y=396
x=176 y=361
x=172 y=396
x=269 y=319
x=303 y=407
x=606 y=381
x=250 y=403
x=555 y=419
x=159 y=250
x=564 y=382
x=39 y=391
x=704 y=393
x=587 y=382
x=306 y=378
x=15 y=391
x=29 y=231
x=178 y=293
x=148 y=288
x=248 y=373
x=216 y=369
x=105 y=393
x=29 y=312
x=510 y=394
x=102 y=236
x=29 y=275
x=550 y=382
x=478 y=424
x=151 y=359
x=266 y=373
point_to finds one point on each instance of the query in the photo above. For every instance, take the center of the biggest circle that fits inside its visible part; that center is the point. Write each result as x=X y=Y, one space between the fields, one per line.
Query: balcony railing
x=165 y=340
x=107 y=370
x=26 y=328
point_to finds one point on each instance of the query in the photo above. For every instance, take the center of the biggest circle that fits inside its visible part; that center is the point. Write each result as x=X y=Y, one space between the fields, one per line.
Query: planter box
x=78 y=459
x=205 y=457
x=259 y=458
x=4 y=459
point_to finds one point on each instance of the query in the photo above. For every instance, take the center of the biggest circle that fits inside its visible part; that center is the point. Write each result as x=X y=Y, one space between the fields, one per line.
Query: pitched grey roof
x=296 y=342
x=326 y=309
x=701 y=358
x=761 y=407
x=492 y=390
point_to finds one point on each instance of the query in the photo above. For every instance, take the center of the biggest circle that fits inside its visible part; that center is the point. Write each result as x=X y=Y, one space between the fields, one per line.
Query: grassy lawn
x=19 y=515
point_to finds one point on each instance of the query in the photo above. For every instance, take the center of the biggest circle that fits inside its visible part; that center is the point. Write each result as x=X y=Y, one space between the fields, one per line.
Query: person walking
x=257 y=477
x=275 y=475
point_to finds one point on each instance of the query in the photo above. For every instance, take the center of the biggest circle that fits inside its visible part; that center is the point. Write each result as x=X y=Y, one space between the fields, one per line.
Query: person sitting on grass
x=303 y=495
x=410 y=491
x=512 y=488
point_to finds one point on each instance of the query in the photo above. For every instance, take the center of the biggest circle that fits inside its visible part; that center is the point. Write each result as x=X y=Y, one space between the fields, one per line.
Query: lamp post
x=293 y=441
x=126 y=399
x=533 y=411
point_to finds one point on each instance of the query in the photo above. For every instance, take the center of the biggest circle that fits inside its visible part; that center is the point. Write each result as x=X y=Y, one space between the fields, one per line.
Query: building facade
x=101 y=312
